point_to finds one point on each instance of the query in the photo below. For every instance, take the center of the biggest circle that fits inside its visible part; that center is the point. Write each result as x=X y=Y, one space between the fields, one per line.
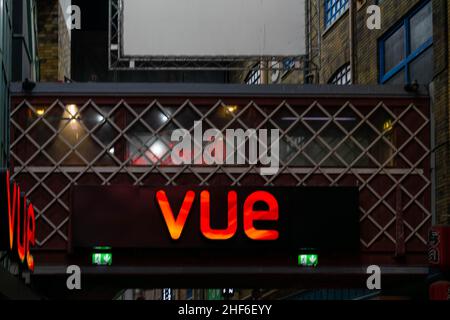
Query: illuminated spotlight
x=164 y=118
x=159 y=149
x=72 y=110
x=100 y=118
x=388 y=126
x=40 y=111
x=71 y=115
x=231 y=108
x=112 y=150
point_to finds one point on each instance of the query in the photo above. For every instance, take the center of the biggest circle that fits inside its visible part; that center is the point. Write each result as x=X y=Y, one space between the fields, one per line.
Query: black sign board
x=239 y=218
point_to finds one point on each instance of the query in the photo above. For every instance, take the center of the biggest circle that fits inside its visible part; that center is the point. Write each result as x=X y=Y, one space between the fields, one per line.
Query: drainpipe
x=351 y=22
x=264 y=65
x=319 y=40
x=306 y=65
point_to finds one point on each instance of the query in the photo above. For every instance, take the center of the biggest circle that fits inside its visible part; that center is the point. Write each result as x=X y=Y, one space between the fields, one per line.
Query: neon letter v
x=175 y=226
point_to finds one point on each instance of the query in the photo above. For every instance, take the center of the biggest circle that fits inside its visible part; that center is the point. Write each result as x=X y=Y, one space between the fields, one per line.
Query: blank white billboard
x=213 y=28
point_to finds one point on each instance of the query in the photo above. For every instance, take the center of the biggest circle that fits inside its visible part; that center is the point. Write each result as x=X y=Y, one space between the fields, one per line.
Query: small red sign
x=439 y=247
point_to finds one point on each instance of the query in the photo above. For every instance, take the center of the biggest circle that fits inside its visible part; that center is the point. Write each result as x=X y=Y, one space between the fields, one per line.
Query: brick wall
x=54 y=42
x=64 y=47
x=440 y=90
x=48 y=39
x=335 y=48
x=366 y=41
x=367 y=72
x=330 y=46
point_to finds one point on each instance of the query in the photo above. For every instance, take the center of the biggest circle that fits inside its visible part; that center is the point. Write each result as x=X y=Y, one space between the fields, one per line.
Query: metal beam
x=208 y=90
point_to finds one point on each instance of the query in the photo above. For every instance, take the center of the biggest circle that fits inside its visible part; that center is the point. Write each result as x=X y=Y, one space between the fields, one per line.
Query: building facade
x=54 y=40
x=18 y=61
x=18 y=58
x=410 y=48
x=91 y=134
x=391 y=142
x=5 y=65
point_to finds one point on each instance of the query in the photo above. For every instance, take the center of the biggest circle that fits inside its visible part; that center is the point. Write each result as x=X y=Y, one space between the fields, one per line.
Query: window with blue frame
x=406 y=51
x=333 y=10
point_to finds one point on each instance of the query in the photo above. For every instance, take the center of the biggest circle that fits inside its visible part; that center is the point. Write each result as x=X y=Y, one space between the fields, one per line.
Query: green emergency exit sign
x=308 y=260
x=102 y=259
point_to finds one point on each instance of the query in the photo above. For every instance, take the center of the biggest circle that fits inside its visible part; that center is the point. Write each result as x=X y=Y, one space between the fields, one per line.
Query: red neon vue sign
x=214 y=217
x=175 y=226
x=17 y=221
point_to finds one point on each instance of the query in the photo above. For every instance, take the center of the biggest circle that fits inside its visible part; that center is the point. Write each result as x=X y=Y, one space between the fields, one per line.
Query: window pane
x=254 y=77
x=422 y=67
x=421 y=27
x=343 y=76
x=394 y=49
x=334 y=9
x=147 y=149
x=399 y=78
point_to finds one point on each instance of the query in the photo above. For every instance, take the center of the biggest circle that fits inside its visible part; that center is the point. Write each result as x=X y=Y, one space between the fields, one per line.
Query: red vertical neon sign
x=22 y=229
x=21 y=223
x=11 y=208
x=31 y=234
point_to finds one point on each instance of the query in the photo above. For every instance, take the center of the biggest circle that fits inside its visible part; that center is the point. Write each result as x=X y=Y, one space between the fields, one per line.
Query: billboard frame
x=117 y=60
